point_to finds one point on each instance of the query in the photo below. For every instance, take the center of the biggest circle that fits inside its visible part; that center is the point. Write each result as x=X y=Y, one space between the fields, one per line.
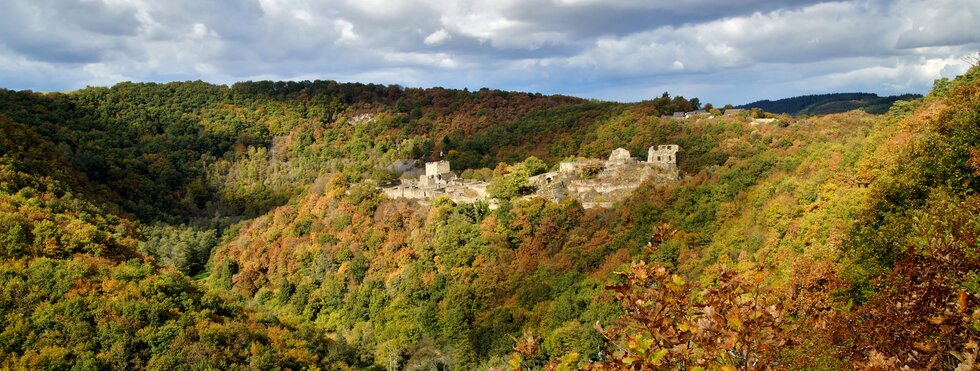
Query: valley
x=336 y=225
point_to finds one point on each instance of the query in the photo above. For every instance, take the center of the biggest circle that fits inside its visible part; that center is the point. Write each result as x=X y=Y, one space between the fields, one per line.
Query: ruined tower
x=437 y=173
x=664 y=154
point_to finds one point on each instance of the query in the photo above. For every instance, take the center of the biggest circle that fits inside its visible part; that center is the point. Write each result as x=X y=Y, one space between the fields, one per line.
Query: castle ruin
x=665 y=154
x=597 y=183
x=439 y=180
x=594 y=182
x=437 y=173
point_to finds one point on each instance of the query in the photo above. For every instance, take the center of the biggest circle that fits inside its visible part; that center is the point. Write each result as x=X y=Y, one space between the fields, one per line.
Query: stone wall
x=577 y=166
x=664 y=154
x=598 y=186
x=436 y=168
x=411 y=192
x=439 y=181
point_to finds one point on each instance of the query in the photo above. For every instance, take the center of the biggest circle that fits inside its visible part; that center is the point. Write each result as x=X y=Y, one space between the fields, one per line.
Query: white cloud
x=200 y=31
x=939 y=23
x=102 y=74
x=437 y=37
x=346 y=29
x=901 y=76
x=441 y=60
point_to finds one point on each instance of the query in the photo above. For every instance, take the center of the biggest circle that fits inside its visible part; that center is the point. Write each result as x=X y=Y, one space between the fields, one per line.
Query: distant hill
x=821 y=104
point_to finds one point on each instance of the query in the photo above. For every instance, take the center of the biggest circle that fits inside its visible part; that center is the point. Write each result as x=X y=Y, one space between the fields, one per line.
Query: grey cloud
x=72 y=32
x=623 y=50
x=597 y=18
x=239 y=21
x=815 y=33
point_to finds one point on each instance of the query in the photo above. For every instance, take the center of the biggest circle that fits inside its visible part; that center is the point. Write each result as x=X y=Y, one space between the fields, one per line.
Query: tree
x=735 y=323
x=512 y=181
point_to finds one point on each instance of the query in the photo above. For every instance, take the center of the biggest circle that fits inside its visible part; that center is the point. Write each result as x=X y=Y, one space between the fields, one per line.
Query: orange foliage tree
x=735 y=323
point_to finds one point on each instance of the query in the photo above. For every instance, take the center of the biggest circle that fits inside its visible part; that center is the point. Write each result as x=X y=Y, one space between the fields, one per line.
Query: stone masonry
x=594 y=182
x=439 y=180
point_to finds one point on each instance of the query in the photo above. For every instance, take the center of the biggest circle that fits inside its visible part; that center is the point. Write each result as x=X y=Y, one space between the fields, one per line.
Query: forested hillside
x=822 y=104
x=190 y=225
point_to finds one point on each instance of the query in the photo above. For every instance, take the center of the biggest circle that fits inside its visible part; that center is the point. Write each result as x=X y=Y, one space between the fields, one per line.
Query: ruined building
x=665 y=154
x=439 y=180
x=437 y=173
x=594 y=182
x=597 y=183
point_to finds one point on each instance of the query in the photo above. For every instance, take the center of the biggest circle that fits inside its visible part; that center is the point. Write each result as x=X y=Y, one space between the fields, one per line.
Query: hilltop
x=823 y=104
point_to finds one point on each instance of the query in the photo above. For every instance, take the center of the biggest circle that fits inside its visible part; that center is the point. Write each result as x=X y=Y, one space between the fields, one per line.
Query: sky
x=730 y=51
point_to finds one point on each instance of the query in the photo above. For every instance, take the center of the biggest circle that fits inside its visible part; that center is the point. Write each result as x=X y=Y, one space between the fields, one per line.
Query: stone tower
x=436 y=168
x=664 y=154
x=437 y=173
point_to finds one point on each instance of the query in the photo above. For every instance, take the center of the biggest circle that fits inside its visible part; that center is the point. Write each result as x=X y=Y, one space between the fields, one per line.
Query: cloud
x=775 y=37
x=437 y=37
x=940 y=23
x=905 y=74
x=46 y=30
x=723 y=51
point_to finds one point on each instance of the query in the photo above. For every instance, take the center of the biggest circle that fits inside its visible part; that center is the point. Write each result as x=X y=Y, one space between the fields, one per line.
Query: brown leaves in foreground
x=925 y=316
x=735 y=323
